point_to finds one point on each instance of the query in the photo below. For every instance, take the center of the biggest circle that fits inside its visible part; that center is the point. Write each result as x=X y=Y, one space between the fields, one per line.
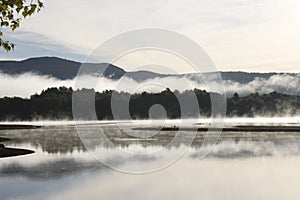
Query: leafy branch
x=12 y=13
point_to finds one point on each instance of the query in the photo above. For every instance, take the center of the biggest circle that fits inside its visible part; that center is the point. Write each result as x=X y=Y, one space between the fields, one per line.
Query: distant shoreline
x=198 y=127
x=248 y=128
x=17 y=126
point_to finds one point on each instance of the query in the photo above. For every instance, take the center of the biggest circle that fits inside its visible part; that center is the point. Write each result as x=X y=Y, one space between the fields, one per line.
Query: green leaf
x=12 y=12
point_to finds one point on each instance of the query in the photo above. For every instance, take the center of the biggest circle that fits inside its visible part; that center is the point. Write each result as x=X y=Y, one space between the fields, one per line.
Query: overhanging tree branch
x=12 y=13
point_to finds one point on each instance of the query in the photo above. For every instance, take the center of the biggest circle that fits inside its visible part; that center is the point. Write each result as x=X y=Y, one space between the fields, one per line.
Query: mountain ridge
x=64 y=69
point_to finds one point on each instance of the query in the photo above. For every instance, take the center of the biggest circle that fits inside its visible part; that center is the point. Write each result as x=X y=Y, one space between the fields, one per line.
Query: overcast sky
x=243 y=35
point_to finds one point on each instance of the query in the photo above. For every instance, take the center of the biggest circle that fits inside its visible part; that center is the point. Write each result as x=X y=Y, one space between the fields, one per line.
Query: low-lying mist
x=27 y=84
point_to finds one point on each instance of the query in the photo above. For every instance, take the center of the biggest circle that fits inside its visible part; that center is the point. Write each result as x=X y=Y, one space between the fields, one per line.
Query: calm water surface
x=241 y=166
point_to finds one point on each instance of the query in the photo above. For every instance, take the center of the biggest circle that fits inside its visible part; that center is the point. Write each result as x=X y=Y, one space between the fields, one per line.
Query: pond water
x=241 y=166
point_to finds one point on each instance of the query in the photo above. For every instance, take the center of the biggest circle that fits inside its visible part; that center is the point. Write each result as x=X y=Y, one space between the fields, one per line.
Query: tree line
x=56 y=104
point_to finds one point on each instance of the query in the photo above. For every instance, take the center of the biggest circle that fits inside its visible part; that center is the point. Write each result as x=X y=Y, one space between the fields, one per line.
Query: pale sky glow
x=239 y=35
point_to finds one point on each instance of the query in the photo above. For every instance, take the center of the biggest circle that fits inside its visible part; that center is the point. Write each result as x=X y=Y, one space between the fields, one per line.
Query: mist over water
x=28 y=84
x=261 y=164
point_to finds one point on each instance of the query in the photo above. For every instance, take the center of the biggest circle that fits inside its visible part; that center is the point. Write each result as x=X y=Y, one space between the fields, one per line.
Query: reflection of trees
x=65 y=139
x=165 y=139
x=50 y=140
x=49 y=169
x=3 y=139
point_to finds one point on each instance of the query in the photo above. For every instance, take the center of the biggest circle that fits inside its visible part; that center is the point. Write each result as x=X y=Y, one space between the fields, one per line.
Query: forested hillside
x=56 y=103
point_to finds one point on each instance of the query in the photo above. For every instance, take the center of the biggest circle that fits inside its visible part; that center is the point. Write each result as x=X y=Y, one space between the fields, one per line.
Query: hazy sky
x=244 y=35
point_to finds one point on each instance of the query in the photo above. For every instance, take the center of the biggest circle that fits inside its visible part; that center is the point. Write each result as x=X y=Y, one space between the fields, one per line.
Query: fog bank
x=27 y=84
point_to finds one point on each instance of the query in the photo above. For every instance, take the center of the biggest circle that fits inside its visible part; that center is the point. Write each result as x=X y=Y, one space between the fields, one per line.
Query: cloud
x=286 y=84
x=30 y=44
x=25 y=85
x=245 y=35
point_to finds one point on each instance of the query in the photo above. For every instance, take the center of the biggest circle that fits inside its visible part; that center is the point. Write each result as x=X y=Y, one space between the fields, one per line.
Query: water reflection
x=62 y=163
x=50 y=169
x=60 y=152
x=64 y=139
x=52 y=140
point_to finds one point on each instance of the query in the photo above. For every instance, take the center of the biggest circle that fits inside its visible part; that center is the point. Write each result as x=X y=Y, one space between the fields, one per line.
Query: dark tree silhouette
x=56 y=103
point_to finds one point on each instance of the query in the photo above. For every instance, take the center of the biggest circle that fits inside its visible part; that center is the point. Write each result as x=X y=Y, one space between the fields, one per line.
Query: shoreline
x=201 y=127
x=13 y=152
x=246 y=128
x=17 y=126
